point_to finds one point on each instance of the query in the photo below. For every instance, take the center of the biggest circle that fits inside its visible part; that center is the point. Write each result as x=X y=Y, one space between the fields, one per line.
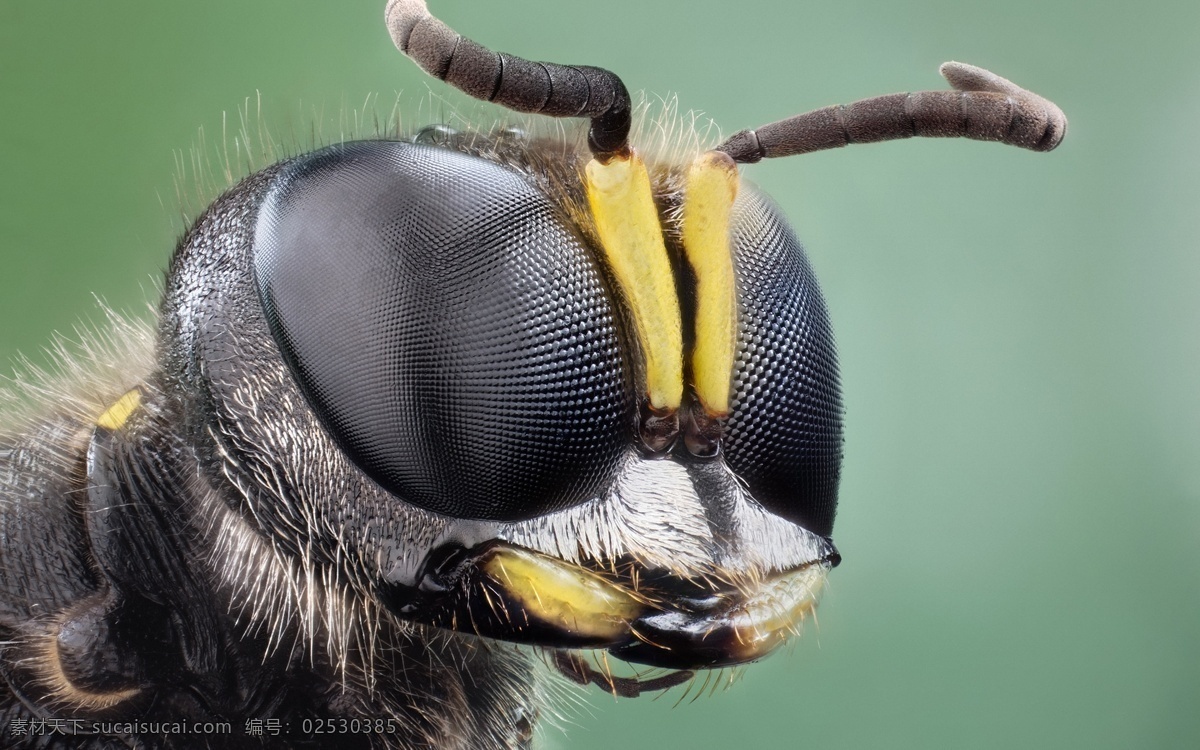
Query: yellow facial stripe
x=627 y=221
x=563 y=595
x=712 y=184
x=117 y=414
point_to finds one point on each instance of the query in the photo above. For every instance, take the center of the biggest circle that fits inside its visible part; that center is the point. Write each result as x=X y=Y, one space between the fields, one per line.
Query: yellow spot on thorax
x=115 y=416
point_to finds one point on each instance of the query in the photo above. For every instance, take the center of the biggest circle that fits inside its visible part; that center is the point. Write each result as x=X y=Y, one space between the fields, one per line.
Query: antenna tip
x=401 y=16
x=964 y=77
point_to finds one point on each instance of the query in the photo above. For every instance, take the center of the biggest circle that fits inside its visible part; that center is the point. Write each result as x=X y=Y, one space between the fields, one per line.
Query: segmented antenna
x=514 y=82
x=984 y=107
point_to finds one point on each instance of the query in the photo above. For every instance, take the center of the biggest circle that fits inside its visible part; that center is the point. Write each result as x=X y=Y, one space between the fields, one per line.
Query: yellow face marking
x=117 y=414
x=564 y=595
x=627 y=221
x=712 y=184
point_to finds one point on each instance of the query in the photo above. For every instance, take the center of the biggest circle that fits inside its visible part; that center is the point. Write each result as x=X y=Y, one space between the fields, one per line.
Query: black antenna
x=514 y=82
x=984 y=107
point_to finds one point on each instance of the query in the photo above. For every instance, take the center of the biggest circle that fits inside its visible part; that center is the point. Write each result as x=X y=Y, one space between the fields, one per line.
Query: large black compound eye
x=450 y=330
x=785 y=428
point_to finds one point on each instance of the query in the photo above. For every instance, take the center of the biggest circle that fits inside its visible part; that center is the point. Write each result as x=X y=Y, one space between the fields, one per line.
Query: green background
x=1020 y=513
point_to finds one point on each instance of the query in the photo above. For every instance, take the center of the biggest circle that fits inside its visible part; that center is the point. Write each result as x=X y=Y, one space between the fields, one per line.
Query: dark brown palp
x=573 y=667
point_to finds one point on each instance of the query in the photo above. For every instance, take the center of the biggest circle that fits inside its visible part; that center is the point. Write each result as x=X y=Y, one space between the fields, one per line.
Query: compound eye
x=448 y=327
x=785 y=427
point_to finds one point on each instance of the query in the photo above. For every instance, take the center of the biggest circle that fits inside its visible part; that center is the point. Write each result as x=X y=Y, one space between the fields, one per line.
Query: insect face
x=448 y=325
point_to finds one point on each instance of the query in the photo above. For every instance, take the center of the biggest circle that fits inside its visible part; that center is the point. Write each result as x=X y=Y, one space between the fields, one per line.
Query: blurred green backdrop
x=1020 y=514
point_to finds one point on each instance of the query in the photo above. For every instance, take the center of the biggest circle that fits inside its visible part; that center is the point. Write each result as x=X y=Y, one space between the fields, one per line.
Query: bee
x=424 y=421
